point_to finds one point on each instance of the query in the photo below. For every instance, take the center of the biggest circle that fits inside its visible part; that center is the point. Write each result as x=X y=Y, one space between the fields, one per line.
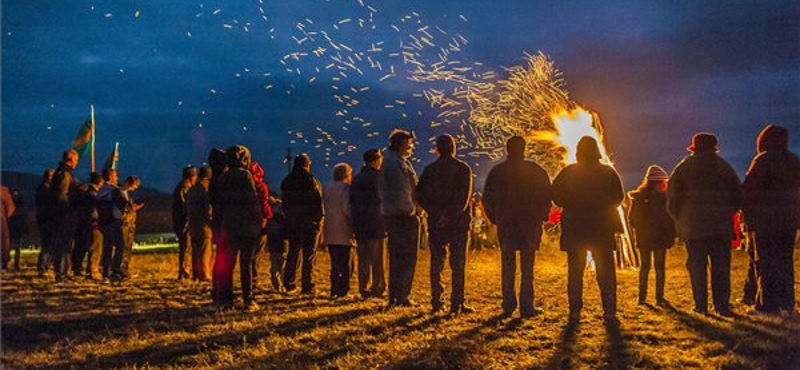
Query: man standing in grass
x=368 y=225
x=198 y=213
x=180 y=220
x=63 y=189
x=517 y=199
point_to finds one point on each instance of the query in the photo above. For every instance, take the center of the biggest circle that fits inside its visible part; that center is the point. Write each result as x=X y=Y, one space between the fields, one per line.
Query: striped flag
x=84 y=140
x=113 y=158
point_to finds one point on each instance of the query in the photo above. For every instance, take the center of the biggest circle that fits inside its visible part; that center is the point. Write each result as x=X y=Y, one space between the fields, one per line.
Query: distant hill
x=154 y=218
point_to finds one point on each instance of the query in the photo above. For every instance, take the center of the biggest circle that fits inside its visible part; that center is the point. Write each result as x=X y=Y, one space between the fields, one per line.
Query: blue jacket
x=396 y=186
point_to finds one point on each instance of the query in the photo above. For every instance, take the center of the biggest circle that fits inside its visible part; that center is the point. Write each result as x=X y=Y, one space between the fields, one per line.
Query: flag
x=113 y=158
x=84 y=140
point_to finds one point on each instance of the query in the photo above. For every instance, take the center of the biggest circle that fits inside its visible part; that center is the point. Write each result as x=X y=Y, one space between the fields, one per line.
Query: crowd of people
x=358 y=217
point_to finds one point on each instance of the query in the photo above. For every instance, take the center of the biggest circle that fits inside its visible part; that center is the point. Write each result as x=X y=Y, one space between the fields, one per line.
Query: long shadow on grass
x=159 y=354
x=565 y=349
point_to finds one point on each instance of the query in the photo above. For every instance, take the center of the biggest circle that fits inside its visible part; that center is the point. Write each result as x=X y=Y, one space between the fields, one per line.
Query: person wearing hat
x=590 y=193
x=198 y=215
x=653 y=228
x=702 y=196
x=772 y=210
x=180 y=221
x=368 y=226
x=303 y=207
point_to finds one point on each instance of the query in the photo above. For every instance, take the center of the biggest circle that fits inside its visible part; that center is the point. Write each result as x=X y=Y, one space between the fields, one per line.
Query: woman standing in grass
x=654 y=229
x=337 y=230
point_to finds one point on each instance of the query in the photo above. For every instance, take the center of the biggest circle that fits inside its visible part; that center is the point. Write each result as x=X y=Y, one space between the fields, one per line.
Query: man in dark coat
x=702 y=196
x=302 y=206
x=180 y=222
x=517 y=199
x=401 y=215
x=110 y=219
x=88 y=238
x=590 y=193
x=772 y=211
x=444 y=192
x=198 y=213
x=62 y=190
x=365 y=205
x=218 y=161
x=44 y=215
x=241 y=221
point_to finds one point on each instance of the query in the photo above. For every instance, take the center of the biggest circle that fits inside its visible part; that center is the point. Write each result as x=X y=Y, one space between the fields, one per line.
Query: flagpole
x=93 y=138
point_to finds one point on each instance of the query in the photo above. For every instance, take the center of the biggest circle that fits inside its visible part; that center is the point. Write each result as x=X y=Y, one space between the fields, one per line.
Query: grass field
x=155 y=321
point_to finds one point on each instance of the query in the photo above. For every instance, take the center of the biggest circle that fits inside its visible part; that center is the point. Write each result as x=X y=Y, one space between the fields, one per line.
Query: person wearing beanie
x=703 y=194
x=180 y=221
x=368 y=226
x=772 y=210
x=198 y=214
x=653 y=229
x=590 y=193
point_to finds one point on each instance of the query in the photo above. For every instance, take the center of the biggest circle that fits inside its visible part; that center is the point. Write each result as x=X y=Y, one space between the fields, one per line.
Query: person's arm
x=734 y=187
x=424 y=192
x=617 y=191
x=346 y=203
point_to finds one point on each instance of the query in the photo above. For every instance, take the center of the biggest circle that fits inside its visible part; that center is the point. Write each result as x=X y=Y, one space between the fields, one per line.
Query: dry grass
x=154 y=321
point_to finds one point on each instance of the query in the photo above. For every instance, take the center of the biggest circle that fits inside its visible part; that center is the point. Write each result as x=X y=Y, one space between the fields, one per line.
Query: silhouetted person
x=654 y=229
x=63 y=188
x=262 y=190
x=702 y=196
x=221 y=279
x=277 y=244
x=370 y=232
x=198 y=213
x=7 y=209
x=302 y=204
x=517 y=199
x=44 y=219
x=110 y=219
x=589 y=193
x=396 y=185
x=772 y=211
x=88 y=238
x=121 y=230
x=180 y=223
x=444 y=192
x=17 y=226
x=242 y=221
x=337 y=230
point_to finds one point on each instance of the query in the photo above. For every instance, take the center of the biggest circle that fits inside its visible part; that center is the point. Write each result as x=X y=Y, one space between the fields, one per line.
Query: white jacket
x=337 y=228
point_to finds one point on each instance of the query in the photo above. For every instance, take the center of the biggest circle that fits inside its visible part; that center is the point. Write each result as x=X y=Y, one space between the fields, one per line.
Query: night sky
x=171 y=79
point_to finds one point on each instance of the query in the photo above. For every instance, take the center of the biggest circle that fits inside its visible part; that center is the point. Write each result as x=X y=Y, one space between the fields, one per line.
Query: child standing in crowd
x=654 y=229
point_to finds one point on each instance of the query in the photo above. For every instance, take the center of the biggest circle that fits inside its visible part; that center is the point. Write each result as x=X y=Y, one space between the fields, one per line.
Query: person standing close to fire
x=517 y=198
x=62 y=190
x=444 y=192
x=337 y=230
x=702 y=196
x=654 y=229
x=368 y=225
x=400 y=212
x=88 y=238
x=198 y=214
x=180 y=221
x=772 y=210
x=303 y=208
x=110 y=220
x=44 y=222
x=589 y=192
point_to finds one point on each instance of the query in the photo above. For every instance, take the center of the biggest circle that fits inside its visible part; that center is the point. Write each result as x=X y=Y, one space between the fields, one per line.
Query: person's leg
x=458 y=265
x=207 y=261
x=309 y=255
x=42 y=262
x=83 y=242
x=350 y=269
x=96 y=254
x=606 y=277
x=576 y=263
x=720 y=255
x=336 y=266
x=660 y=262
x=220 y=277
x=277 y=257
x=784 y=268
x=697 y=264
x=438 y=252
x=412 y=230
x=751 y=282
x=644 y=272
x=394 y=230
x=247 y=249
x=260 y=246
x=183 y=251
x=377 y=267
x=119 y=251
x=364 y=262
x=508 y=272
x=527 y=257
x=292 y=262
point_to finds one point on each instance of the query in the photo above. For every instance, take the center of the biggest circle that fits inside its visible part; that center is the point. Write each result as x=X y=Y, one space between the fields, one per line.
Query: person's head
x=446 y=145
x=96 y=179
x=132 y=183
x=656 y=178
x=773 y=137
x=515 y=147
x=342 y=172
x=303 y=161
x=47 y=177
x=189 y=174
x=238 y=156
x=588 y=151
x=373 y=158
x=70 y=159
x=703 y=142
x=110 y=175
x=204 y=174
x=217 y=160
x=402 y=142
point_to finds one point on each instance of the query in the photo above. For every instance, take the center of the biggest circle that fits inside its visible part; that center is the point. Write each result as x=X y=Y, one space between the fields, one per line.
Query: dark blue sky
x=655 y=71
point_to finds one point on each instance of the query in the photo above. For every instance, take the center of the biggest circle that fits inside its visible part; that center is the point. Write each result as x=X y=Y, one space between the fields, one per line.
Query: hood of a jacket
x=773 y=138
x=238 y=156
x=257 y=171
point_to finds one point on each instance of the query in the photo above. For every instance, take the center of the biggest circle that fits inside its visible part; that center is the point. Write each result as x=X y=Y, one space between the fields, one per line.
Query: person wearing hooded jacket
x=653 y=228
x=517 y=198
x=266 y=212
x=303 y=207
x=771 y=192
x=589 y=192
x=241 y=223
x=702 y=196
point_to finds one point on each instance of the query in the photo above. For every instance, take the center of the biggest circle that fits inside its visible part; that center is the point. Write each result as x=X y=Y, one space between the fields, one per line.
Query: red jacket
x=261 y=189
